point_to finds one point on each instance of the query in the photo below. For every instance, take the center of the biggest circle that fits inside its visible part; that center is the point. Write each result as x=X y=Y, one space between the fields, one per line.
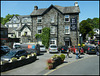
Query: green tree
x=85 y=28
x=45 y=36
x=7 y=18
x=94 y=22
x=91 y=34
x=1 y=19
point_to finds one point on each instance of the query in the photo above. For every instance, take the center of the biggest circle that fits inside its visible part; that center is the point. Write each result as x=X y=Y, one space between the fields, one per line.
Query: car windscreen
x=41 y=46
x=64 y=47
x=53 y=46
x=11 y=53
x=18 y=46
x=5 y=47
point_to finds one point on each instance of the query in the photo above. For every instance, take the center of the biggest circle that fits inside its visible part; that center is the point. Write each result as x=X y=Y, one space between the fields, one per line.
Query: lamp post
x=80 y=38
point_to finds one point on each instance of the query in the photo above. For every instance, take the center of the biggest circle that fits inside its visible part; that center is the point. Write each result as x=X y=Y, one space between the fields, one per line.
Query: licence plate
x=92 y=50
x=53 y=50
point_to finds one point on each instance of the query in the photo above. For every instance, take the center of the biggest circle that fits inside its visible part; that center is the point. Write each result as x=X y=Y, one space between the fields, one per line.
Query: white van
x=16 y=45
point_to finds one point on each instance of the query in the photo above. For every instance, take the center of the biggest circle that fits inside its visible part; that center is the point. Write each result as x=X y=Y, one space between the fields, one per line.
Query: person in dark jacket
x=97 y=50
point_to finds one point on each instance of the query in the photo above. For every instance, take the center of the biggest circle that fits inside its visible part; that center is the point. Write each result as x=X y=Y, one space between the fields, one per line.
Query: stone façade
x=59 y=25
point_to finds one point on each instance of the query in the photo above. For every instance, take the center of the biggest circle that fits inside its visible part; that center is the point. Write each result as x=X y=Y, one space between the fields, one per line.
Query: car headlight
x=10 y=61
x=6 y=59
x=1 y=62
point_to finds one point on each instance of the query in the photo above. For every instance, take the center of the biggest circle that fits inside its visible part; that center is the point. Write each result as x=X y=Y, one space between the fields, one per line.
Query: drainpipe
x=32 y=30
x=57 y=26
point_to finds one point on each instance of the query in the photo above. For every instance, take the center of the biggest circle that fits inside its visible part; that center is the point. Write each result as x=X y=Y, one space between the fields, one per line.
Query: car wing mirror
x=16 y=55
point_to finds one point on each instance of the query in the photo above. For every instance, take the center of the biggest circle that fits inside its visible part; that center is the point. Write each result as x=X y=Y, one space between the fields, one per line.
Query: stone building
x=3 y=34
x=17 y=24
x=20 y=27
x=62 y=21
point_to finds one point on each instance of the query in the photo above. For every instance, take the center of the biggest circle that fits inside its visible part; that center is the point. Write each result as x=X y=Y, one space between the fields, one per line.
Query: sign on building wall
x=73 y=24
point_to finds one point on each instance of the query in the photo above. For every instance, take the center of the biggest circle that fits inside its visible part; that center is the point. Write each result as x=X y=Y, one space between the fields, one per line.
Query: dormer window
x=14 y=21
x=25 y=20
x=39 y=19
x=66 y=18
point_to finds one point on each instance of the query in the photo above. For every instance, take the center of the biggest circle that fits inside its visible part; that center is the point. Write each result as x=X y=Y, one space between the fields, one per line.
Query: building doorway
x=67 y=41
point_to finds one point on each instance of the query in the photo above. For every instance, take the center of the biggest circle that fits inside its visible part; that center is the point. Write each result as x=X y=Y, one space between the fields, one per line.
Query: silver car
x=42 y=48
x=53 y=48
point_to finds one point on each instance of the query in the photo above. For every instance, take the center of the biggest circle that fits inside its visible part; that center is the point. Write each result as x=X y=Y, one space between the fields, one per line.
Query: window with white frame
x=39 y=19
x=53 y=41
x=25 y=20
x=66 y=18
x=52 y=19
x=19 y=33
x=39 y=29
x=67 y=29
x=14 y=21
x=52 y=30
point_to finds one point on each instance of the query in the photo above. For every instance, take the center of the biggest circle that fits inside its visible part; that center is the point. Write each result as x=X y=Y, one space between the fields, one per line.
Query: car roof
x=41 y=45
x=53 y=45
x=4 y=46
x=16 y=50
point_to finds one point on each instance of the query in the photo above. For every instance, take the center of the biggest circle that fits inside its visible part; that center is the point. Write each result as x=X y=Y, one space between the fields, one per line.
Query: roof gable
x=22 y=27
x=13 y=18
x=48 y=9
x=62 y=10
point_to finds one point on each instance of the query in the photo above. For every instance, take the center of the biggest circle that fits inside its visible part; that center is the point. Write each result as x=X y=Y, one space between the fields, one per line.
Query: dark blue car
x=64 y=49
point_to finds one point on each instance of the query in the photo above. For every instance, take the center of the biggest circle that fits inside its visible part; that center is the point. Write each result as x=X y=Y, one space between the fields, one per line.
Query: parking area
x=39 y=67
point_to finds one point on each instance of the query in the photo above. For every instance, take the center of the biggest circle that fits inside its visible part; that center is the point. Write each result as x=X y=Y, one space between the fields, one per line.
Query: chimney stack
x=76 y=4
x=35 y=7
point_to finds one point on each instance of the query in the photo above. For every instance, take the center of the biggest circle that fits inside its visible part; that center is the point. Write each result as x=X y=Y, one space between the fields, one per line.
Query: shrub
x=62 y=56
x=34 y=54
x=49 y=61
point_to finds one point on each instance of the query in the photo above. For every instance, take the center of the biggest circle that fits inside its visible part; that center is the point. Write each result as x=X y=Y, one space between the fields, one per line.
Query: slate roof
x=63 y=10
x=12 y=30
x=23 y=16
x=21 y=27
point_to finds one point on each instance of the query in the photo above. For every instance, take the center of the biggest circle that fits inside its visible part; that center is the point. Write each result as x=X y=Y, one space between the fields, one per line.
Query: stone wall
x=46 y=22
x=25 y=39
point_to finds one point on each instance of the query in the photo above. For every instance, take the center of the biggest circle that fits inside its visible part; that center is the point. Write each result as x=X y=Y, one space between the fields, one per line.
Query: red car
x=73 y=48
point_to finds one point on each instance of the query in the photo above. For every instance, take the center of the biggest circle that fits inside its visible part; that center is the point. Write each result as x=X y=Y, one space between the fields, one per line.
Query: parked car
x=53 y=48
x=4 y=50
x=64 y=49
x=42 y=48
x=89 y=49
x=14 y=53
x=73 y=48
x=31 y=47
x=59 y=48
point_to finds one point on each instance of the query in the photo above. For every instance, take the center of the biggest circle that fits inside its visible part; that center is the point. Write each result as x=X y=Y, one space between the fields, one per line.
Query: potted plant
x=50 y=63
x=62 y=57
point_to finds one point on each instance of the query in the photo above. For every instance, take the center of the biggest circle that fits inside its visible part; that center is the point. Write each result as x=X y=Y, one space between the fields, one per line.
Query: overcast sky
x=88 y=9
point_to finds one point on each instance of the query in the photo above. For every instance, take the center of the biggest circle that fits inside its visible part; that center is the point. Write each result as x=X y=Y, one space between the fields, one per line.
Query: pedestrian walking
x=79 y=48
x=67 y=53
x=77 y=52
x=97 y=50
